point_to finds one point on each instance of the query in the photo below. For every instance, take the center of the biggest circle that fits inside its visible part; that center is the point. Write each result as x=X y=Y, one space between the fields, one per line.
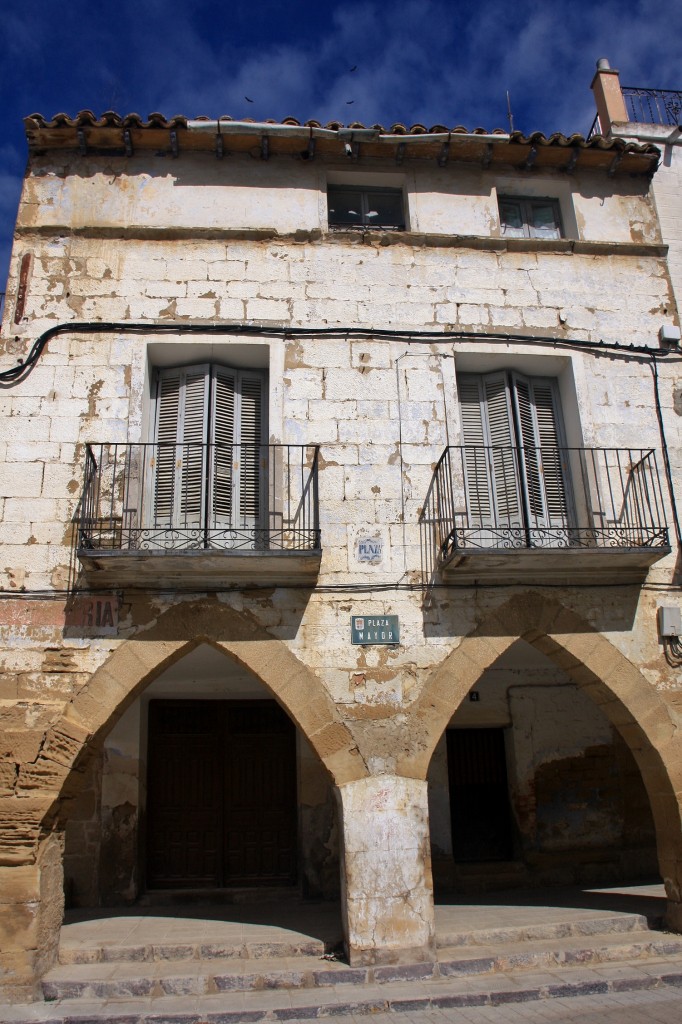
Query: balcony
x=648 y=106
x=532 y=516
x=198 y=516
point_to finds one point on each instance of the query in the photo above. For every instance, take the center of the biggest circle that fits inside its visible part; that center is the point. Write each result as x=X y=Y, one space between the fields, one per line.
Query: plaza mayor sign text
x=374 y=629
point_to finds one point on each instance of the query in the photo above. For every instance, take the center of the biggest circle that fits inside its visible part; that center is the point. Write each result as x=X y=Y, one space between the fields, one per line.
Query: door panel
x=221 y=794
x=183 y=796
x=479 y=796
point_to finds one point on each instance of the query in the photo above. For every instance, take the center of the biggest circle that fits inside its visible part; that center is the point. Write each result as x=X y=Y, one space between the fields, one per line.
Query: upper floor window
x=209 y=428
x=529 y=217
x=367 y=207
x=514 y=455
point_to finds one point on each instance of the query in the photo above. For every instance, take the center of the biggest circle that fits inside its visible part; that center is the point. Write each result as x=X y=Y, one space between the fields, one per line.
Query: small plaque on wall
x=374 y=629
x=370 y=550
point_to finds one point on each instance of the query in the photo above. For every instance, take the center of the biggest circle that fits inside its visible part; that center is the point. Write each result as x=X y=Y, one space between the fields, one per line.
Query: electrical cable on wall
x=23 y=367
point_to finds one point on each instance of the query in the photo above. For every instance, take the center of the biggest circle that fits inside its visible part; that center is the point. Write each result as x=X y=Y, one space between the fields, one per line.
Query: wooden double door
x=221 y=794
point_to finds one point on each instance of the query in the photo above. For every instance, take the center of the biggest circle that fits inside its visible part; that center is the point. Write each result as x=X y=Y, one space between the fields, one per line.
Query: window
x=365 y=207
x=529 y=217
x=514 y=459
x=209 y=426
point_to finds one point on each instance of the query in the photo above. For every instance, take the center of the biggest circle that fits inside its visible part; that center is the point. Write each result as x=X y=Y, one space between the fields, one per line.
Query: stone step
x=113 y=980
x=77 y=952
x=600 y=924
x=235 y=1007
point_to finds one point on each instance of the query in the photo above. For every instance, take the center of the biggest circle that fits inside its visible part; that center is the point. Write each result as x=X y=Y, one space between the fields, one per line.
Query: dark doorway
x=221 y=794
x=479 y=795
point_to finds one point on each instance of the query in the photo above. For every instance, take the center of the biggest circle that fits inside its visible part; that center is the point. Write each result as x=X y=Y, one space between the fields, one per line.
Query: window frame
x=526 y=204
x=366 y=192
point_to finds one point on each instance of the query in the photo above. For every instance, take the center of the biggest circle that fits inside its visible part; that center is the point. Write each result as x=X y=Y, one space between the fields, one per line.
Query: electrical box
x=669 y=335
x=669 y=622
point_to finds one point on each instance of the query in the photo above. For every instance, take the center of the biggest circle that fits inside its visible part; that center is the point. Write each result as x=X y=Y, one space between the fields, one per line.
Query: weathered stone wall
x=665 y=187
x=382 y=411
x=196 y=195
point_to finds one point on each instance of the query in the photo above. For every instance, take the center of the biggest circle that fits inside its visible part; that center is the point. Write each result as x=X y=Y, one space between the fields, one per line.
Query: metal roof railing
x=653 y=106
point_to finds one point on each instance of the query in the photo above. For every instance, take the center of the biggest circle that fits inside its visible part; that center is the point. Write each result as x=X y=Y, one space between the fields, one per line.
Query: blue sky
x=430 y=61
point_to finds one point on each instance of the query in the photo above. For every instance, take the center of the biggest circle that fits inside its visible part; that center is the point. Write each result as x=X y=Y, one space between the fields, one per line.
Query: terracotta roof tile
x=105 y=132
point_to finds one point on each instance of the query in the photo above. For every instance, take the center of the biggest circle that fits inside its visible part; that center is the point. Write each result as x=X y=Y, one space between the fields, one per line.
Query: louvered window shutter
x=237 y=429
x=504 y=458
x=253 y=461
x=210 y=465
x=492 y=482
x=539 y=424
x=477 y=463
x=224 y=456
x=181 y=415
x=524 y=481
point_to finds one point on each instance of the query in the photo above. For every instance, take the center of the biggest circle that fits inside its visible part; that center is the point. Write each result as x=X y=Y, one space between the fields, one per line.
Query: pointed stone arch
x=647 y=724
x=136 y=662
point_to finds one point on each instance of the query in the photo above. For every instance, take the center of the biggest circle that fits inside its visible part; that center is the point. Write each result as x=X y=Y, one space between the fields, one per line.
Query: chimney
x=608 y=97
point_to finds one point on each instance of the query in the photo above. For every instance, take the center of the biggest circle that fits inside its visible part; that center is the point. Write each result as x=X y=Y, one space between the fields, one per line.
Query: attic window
x=529 y=217
x=367 y=207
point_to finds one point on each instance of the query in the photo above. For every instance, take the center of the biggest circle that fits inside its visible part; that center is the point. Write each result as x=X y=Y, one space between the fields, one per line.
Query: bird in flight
x=351 y=70
x=248 y=99
x=348 y=102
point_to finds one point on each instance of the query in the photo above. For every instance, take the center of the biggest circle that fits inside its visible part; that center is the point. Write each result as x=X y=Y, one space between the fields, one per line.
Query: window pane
x=511 y=219
x=344 y=207
x=384 y=209
x=544 y=220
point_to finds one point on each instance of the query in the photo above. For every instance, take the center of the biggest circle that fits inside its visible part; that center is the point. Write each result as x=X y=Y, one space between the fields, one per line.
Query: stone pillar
x=386 y=884
x=608 y=96
x=31 y=912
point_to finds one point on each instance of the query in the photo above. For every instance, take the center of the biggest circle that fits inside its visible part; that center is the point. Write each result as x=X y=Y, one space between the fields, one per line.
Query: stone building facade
x=339 y=472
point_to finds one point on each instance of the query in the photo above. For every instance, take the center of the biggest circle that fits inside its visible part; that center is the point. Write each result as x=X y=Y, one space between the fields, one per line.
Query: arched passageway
x=530 y=785
x=57 y=776
x=598 y=670
x=204 y=783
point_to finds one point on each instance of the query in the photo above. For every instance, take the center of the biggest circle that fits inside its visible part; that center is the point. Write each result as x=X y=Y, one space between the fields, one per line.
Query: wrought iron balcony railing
x=191 y=497
x=647 y=106
x=506 y=499
x=653 y=106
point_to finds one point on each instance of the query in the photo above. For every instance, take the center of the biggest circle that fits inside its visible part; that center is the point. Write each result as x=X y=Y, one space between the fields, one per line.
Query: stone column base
x=673 y=916
x=386 y=884
x=31 y=913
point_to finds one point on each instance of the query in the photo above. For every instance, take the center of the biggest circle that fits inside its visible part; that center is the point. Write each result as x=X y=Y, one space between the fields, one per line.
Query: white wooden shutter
x=492 y=483
x=525 y=481
x=237 y=431
x=224 y=399
x=181 y=416
x=539 y=423
x=253 y=457
x=209 y=470
x=504 y=459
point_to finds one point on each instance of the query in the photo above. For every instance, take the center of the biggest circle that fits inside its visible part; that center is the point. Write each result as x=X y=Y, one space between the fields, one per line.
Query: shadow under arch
x=113 y=687
x=597 y=667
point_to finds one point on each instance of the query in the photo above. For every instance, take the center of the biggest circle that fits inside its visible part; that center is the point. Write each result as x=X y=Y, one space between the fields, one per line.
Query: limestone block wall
x=665 y=187
x=195 y=194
